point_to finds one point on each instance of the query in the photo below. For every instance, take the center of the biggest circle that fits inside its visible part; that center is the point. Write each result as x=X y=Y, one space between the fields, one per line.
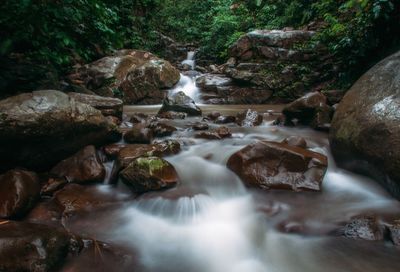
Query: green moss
x=152 y=164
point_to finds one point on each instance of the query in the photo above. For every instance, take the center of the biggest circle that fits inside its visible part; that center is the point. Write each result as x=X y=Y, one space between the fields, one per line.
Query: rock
x=295 y=141
x=75 y=198
x=107 y=105
x=130 y=152
x=139 y=134
x=41 y=128
x=180 y=102
x=211 y=82
x=31 y=247
x=225 y=119
x=394 y=232
x=161 y=129
x=217 y=134
x=334 y=96
x=213 y=115
x=53 y=185
x=19 y=191
x=249 y=118
x=172 y=115
x=271 y=165
x=199 y=126
x=364 y=228
x=138 y=118
x=138 y=75
x=112 y=150
x=83 y=167
x=309 y=110
x=46 y=213
x=365 y=129
x=149 y=174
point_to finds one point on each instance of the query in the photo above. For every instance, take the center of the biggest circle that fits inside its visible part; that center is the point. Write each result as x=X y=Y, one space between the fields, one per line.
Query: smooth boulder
x=39 y=129
x=272 y=165
x=19 y=191
x=149 y=174
x=365 y=132
x=107 y=105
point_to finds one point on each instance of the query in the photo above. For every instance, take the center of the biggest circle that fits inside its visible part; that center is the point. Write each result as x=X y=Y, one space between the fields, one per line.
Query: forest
x=200 y=135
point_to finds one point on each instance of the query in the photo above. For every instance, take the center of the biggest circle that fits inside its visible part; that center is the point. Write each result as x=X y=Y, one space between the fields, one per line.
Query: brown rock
x=31 y=247
x=112 y=150
x=180 y=102
x=295 y=141
x=199 y=126
x=394 y=232
x=46 y=213
x=161 y=129
x=364 y=228
x=83 y=167
x=225 y=119
x=19 y=191
x=52 y=185
x=270 y=165
x=149 y=174
x=172 y=115
x=217 y=134
x=139 y=134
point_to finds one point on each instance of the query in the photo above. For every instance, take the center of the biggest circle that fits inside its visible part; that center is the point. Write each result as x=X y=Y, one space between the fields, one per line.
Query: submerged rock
x=19 y=191
x=139 y=134
x=271 y=165
x=31 y=247
x=365 y=129
x=83 y=167
x=180 y=102
x=149 y=174
x=41 y=128
x=217 y=134
x=161 y=129
x=249 y=118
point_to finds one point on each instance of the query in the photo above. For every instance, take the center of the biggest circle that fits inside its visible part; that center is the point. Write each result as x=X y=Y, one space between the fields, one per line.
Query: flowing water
x=212 y=223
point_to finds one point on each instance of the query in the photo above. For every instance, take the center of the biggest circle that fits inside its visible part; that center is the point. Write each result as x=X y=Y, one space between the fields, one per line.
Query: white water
x=187 y=85
x=190 y=60
x=217 y=225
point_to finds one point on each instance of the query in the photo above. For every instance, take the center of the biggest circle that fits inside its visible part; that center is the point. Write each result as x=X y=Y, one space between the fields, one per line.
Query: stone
x=272 y=165
x=149 y=174
x=31 y=247
x=83 y=167
x=249 y=118
x=394 y=232
x=200 y=126
x=180 y=102
x=139 y=134
x=365 y=129
x=217 y=134
x=160 y=129
x=223 y=119
x=46 y=213
x=296 y=141
x=19 y=191
x=172 y=115
x=107 y=105
x=39 y=129
x=364 y=228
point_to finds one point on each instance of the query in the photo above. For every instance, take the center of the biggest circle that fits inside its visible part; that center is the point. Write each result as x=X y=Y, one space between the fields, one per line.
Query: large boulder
x=139 y=77
x=19 y=191
x=31 y=247
x=149 y=174
x=180 y=102
x=83 y=167
x=365 y=132
x=280 y=62
x=39 y=129
x=271 y=165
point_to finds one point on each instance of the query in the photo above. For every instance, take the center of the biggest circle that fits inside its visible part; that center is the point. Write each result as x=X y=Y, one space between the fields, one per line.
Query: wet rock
x=225 y=119
x=211 y=82
x=41 y=128
x=138 y=118
x=19 y=191
x=249 y=118
x=52 y=185
x=139 y=75
x=172 y=115
x=180 y=102
x=364 y=228
x=139 y=134
x=271 y=165
x=365 y=129
x=46 y=213
x=334 y=96
x=75 y=198
x=394 y=232
x=213 y=115
x=295 y=141
x=107 y=105
x=149 y=174
x=199 y=126
x=31 y=247
x=161 y=129
x=160 y=149
x=309 y=110
x=217 y=134
x=83 y=167
x=112 y=150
